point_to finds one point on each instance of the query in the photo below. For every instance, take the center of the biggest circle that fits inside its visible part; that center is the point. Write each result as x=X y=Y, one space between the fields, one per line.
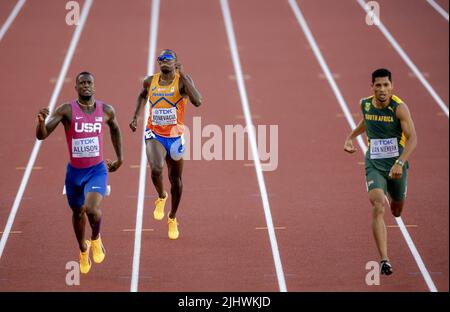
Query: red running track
x=317 y=194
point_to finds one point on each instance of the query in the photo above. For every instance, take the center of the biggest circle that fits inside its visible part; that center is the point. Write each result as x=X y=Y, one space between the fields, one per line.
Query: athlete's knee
x=156 y=171
x=95 y=216
x=78 y=213
x=378 y=208
x=176 y=181
x=93 y=209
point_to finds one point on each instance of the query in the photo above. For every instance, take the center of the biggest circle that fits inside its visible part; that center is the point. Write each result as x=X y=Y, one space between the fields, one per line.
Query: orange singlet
x=166 y=108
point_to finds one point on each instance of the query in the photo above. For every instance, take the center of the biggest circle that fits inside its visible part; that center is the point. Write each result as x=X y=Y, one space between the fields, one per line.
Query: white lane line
x=405 y=57
x=415 y=252
x=51 y=105
x=412 y=247
x=252 y=139
x=323 y=65
x=312 y=42
x=143 y=166
x=438 y=8
x=11 y=18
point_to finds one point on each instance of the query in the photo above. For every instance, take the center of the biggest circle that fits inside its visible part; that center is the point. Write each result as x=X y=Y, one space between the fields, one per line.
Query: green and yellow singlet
x=386 y=139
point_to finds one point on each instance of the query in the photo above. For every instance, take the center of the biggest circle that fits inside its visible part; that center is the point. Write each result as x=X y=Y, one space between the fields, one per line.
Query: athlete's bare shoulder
x=109 y=111
x=147 y=82
x=182 y=87
x=145 y=86
x=64 y=110
x=108 y=108
x=64 y=107
x=402 y=111
x=62 y=113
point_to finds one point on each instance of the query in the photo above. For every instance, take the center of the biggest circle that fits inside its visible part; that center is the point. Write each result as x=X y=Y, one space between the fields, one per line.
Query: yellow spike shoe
x=85 y=261
x=173 y=228
x=158 y=213
x=98 y=250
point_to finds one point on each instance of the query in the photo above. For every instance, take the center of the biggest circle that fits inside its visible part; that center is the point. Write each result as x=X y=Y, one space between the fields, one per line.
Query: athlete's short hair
x=83 y=74
x=381 y=72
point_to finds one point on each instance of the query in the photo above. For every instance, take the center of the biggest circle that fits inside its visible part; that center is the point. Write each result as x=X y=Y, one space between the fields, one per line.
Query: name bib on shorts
x=86 y=147
x=383 y=148
x=164 y=116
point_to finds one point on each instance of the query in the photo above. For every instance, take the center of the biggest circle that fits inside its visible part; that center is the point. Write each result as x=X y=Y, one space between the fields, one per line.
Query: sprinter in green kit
x=392 y=138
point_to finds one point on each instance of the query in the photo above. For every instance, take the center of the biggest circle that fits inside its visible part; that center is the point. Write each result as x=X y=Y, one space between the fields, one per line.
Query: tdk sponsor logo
x=162 y=111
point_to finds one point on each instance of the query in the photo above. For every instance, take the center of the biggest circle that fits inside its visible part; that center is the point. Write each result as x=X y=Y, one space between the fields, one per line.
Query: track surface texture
x=316 y=196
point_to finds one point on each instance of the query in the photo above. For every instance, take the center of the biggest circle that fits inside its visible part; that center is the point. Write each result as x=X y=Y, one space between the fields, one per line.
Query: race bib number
x=383 y=148
x=86 y=147
x=164 y=116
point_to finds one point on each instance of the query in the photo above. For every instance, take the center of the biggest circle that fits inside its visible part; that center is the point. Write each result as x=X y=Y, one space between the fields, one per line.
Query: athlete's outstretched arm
x=140 y=102
x=116 y=137
x=348 y=145
x=188 y=88
x=44 y=129
x=409 y=131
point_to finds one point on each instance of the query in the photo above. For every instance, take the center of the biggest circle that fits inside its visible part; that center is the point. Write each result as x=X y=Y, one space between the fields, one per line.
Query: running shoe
x=98 y=250
x=158 y=213
x=85 y=261
x=173 y=228
x=386 y=267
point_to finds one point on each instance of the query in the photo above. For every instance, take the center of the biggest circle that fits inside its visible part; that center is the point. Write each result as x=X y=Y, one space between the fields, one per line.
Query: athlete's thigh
x=155 y=153
x=92 y=200
x=96 y=182
x=74 y=189
x=377 y=195
x=176 y=148
x=375 y=180
x=175 y=167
